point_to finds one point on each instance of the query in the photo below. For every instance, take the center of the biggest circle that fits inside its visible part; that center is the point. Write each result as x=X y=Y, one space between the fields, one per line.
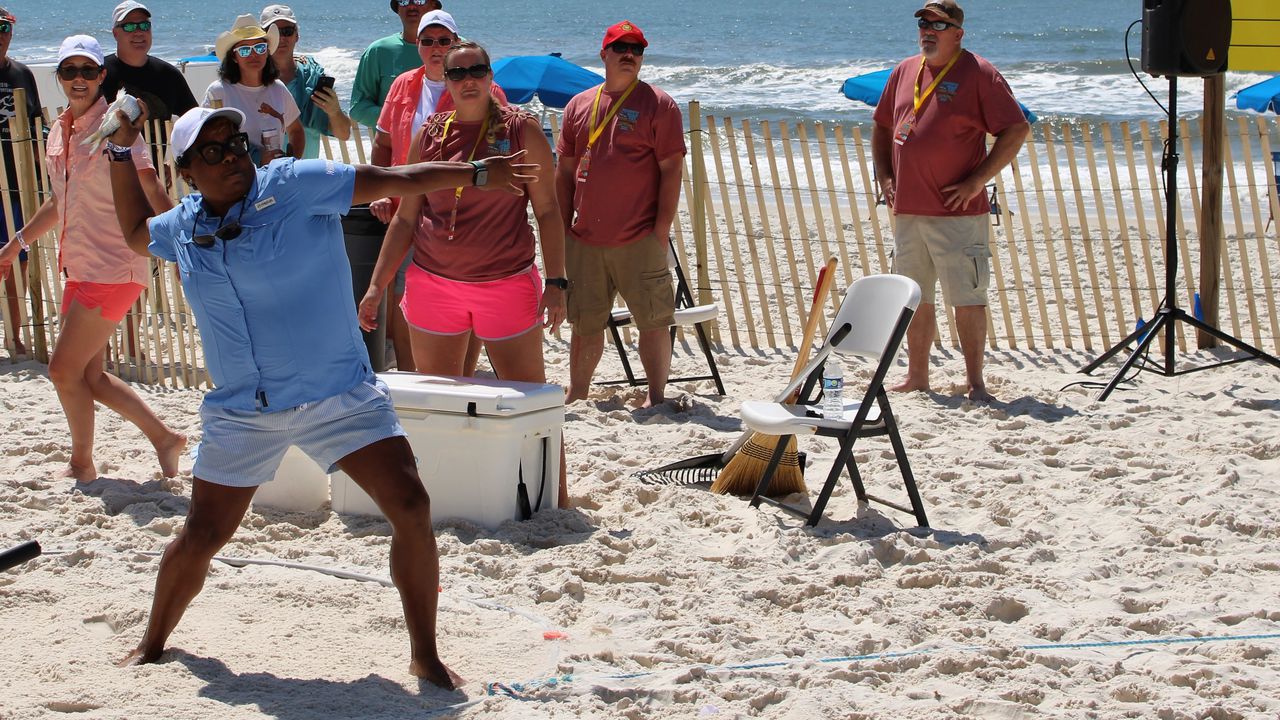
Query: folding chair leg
x=856 y=477
x=820 y=505
x=622 y=355
x=705 y=342
x=763 y=486
x=904 y=466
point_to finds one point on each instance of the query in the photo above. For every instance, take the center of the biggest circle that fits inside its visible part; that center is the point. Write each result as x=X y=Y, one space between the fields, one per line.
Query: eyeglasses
x=937 y=25
x=287 y=31
x=223 y=233
x=622 y=48
x=407 y=3
x=71 y=72
x=215 y=152
x=144 y=26
x=477 y=71
x=245 y=51
x=6 y=27
x=442 y=42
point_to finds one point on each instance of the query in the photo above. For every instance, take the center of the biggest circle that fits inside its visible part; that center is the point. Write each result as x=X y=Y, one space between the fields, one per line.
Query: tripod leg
x=1115 y=349
x=1234 y=342
x=1152 y=329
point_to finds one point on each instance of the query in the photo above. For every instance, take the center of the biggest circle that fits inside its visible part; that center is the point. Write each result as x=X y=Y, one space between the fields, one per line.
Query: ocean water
x=746 y=59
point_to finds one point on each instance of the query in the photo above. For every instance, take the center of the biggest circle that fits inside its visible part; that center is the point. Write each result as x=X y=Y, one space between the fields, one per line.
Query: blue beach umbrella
x=869 y=87
x=1262 y=97
x=552 y=78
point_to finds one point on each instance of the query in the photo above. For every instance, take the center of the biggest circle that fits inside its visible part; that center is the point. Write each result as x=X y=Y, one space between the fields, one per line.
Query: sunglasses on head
x=936 y=25
x=71 y=72
x=442 y=42
x=6 y=27
x=144 y=26
x=286 y=31
x=245 y=51
x=622 y=48
x=223 y=233
x=214 y=152
x=477 y=71
x=407 y=3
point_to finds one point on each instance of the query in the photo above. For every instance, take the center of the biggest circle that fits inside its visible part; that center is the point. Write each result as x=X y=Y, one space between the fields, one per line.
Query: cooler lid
x=486 y=397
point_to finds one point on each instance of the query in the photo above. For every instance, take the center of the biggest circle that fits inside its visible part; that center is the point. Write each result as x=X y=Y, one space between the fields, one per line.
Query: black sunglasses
x=477 y=71
x=144 y=26
x=442 y=42
x=214 y=152
x=71 y=72
x=407 y=3
x=286 y=31
x=6 y=27
x=937 y=25
x=622 y=48
x=223 y=233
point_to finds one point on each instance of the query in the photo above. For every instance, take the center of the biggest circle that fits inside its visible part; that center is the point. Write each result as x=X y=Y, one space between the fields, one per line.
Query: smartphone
x=324 y=83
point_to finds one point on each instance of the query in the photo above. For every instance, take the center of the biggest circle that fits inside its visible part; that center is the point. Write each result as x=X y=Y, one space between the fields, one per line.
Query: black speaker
x=1185 y=37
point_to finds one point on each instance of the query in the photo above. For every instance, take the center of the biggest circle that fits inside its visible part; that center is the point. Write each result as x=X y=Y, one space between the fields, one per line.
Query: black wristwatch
x=561 y=283
x=479 y=176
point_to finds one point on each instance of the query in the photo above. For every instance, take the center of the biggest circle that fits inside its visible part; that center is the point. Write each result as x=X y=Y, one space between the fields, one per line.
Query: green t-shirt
x=380 y=65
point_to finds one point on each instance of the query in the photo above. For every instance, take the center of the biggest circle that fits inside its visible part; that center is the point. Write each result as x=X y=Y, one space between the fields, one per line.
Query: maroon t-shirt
x=616 y=192
x=949 y=137
x=492 y=237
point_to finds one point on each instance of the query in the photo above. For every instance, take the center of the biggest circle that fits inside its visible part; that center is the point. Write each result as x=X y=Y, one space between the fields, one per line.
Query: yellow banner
x=1255 y=36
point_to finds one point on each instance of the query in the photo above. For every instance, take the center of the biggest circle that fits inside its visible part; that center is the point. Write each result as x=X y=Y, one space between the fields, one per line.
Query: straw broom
x=743 y=472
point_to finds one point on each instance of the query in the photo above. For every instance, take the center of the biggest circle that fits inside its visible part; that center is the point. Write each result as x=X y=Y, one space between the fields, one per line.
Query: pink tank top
x=491 y=237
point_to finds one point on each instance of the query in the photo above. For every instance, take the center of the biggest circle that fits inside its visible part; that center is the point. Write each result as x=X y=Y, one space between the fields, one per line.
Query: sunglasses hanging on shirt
x=223 y=233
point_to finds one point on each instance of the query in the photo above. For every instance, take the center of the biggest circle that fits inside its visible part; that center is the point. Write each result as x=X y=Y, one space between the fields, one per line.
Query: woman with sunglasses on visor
x=103 y=277
x=474 y=253
x=249 y=82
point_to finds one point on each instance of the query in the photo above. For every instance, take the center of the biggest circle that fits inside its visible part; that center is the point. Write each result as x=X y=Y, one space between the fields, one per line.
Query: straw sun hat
x=246 y=28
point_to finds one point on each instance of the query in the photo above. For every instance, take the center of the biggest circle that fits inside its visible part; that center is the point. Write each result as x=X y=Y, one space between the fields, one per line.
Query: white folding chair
x=687 y=315
x=870 y=325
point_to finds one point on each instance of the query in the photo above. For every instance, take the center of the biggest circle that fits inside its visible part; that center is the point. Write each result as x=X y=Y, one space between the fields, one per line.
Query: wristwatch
x=480 y=176
x=561 y=283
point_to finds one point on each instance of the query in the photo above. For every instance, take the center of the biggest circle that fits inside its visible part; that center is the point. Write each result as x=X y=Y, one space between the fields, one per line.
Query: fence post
x=699 y=203
x=25 y=160
x=1214 y=125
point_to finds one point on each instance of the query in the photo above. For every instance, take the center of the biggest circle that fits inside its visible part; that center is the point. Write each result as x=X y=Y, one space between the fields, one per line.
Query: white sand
x=1057 y=520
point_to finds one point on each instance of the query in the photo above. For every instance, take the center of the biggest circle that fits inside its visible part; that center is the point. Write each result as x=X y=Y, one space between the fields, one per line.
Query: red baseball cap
x=625 y=30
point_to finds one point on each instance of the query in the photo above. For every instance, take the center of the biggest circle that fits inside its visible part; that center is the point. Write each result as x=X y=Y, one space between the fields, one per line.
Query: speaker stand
x=1169 y=314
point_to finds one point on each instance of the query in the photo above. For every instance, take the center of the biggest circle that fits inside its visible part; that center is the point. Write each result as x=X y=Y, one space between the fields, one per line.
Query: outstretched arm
x=505 y=174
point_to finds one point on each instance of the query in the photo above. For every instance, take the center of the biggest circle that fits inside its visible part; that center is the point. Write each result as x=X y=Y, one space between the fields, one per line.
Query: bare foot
x=978 y=393
x=169 y=452
x=140 y=656
x=910 y=385
x=436 y=673
x=651 y=401
x=571 y=395
x=81 y=473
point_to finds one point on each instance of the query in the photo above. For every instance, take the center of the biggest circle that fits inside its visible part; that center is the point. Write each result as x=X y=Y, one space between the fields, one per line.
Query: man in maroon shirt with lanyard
x=930 y=150
x=618 y=183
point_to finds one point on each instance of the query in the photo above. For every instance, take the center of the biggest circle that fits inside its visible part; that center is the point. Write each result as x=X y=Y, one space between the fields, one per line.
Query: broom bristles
x=743 y=472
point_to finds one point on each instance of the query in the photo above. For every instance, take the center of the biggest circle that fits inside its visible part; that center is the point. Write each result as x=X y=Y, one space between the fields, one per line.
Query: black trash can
x=363 y=234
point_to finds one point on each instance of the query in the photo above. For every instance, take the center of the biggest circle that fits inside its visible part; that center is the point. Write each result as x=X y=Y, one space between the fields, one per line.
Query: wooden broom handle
x=826 y=276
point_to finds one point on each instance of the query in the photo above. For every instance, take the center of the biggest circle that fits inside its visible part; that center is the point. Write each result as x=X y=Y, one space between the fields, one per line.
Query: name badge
x=904 y=131
x=584 y=163
x=264 y=204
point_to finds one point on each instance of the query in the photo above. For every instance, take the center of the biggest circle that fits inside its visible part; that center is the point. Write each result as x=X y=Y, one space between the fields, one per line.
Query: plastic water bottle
x=832 y=388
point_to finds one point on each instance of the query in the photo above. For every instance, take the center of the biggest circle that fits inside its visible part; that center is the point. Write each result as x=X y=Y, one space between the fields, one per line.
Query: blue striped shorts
x=244 y=448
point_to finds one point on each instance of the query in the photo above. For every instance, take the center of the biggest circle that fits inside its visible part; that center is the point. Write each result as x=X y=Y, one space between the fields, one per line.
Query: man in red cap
x=930 y=150
x=618 y=182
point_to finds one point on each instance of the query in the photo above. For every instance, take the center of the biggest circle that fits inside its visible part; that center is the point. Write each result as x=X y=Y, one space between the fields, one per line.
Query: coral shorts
x=115 y=299
x=494 y=309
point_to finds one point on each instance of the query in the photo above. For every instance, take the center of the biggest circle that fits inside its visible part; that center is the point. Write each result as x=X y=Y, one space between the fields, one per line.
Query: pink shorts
x=115 y=299
x=493 y=309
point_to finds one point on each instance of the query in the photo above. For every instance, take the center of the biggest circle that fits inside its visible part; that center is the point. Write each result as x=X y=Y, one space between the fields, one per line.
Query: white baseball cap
x=275 y=13
x=188 y=127
x=438 y=17
x=80 y=46
x=126 y=7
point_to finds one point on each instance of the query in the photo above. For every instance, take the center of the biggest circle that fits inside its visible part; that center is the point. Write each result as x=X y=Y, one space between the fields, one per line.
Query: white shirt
x=269 y=107
x=431 y=92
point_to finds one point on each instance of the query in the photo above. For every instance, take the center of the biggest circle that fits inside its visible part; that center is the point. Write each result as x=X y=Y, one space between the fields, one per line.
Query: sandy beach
x=1129 y=526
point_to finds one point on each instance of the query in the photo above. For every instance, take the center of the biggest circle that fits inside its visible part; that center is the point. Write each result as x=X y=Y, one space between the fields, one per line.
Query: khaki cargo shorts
x=951 y=249
x=637 y=271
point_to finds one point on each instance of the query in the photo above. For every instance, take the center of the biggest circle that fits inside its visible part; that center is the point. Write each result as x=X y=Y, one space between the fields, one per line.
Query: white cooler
x=300 y=485
x=475 y=439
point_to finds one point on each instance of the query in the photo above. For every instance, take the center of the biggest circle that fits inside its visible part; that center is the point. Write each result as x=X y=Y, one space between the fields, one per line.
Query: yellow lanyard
x=595 y=107
x=919 y=99
x=484 y=129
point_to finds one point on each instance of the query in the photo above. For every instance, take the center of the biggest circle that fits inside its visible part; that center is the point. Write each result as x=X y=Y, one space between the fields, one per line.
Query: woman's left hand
x=552 y=308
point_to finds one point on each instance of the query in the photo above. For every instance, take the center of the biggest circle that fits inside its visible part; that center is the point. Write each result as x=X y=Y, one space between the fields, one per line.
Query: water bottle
x=832 y=388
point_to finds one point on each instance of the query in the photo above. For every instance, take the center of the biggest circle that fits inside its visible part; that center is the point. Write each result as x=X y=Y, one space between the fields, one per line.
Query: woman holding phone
x=312 y=90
